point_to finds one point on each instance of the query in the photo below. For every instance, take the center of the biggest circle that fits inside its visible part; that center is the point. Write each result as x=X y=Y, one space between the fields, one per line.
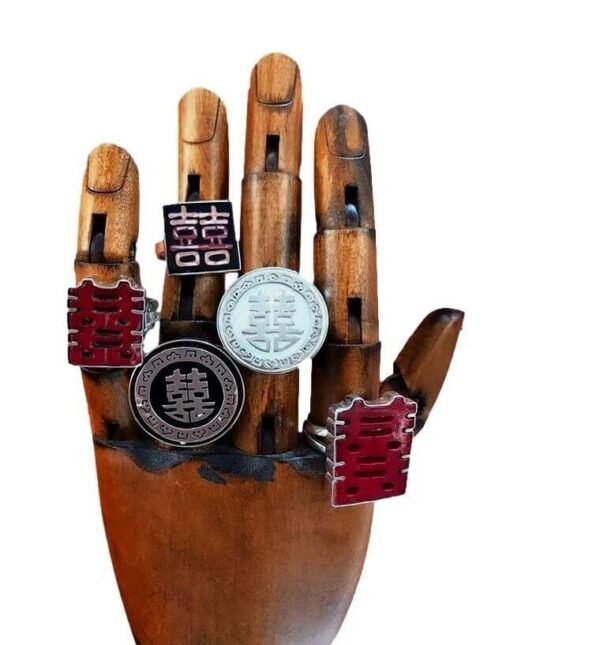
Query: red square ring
x=369 y=448
x=106 y=324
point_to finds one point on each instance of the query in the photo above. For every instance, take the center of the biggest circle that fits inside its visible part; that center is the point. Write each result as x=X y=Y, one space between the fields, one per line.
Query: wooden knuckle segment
x=339 y=370
x=189 y=299
x=107 y=274
x=270 y=413
x=109 y=211
x=107 y=395
x=346 y=275
x=197 y=329
x=203 y=175
x=270 y=222
x=268 y=423
x=421 y=367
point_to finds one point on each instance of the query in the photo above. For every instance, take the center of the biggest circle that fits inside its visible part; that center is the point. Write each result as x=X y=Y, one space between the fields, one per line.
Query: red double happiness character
x=106 y=324
x=369 y=448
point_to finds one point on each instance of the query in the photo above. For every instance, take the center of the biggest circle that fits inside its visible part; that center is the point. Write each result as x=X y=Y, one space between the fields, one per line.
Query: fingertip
x=203 y=146
x=201 y=112
x=343 y=188
x=445 y=316
x=275 y=79
x=345 y=132
x=432 y=342
x=274 y=117
x=107 y=168
x=421 y=367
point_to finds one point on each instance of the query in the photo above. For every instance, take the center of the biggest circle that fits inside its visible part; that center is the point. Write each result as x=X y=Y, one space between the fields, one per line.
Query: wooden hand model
x=229 y=520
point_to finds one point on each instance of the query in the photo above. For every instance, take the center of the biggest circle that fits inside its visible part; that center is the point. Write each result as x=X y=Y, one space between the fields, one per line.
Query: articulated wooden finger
x=271 y=189
x=345 y=262
x=189 y=304
x=270 y=235
x=108 y=229
x=421 y=367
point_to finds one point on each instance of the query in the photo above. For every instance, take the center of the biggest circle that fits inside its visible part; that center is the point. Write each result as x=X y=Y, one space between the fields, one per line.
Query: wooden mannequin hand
x=239 y=544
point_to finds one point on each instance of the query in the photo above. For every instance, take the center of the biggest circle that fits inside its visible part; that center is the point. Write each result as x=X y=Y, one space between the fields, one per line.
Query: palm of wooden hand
x=240 y=544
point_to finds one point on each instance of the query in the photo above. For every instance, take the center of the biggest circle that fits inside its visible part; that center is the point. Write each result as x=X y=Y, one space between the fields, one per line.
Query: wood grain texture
x=421 y=367
x=268 y=398
x=242 y=562
x=225 y=557
x=340 y=370
x=345 y=263
x=111 y=189
x=200 y=561
x=270 y=233
x=203 y=153
x=274 y=108
x=347 y=269
x=342 y=160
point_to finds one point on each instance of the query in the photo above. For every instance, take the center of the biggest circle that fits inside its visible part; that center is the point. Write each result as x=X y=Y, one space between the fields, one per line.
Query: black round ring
x=151 y=393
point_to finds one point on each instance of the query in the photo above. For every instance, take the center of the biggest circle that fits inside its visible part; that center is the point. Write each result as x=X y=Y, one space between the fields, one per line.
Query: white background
x=484 y=122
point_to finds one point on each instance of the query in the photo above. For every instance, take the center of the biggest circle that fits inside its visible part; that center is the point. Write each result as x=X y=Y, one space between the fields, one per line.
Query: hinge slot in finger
x=351 y=209
x=272 y=153
x=186 y=297
x=192 y=191
x=97 y=234
x=267 y=434
x=355 y=321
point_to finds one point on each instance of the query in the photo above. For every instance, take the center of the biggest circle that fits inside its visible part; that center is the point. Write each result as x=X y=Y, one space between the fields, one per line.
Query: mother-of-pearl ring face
x=272 y=319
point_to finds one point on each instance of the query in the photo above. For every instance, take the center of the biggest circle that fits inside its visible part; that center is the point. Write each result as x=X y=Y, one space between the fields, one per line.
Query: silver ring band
x=317 y=436
x=151 y=315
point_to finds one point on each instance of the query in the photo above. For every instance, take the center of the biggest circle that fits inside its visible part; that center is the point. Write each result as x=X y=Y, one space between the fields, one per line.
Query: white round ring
x=272 y=319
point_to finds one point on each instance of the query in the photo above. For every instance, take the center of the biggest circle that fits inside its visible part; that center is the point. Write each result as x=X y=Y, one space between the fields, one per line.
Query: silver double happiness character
x=271 y=319
x=188 y=396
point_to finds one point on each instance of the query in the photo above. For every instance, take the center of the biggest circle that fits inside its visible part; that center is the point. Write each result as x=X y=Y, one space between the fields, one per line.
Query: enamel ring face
x=200 y=238
x=367 y=446
x=271 y=319
x=187 y=393
x=107 y=323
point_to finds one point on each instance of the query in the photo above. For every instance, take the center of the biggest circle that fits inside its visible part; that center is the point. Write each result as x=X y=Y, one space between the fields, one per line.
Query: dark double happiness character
x=187 y=393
